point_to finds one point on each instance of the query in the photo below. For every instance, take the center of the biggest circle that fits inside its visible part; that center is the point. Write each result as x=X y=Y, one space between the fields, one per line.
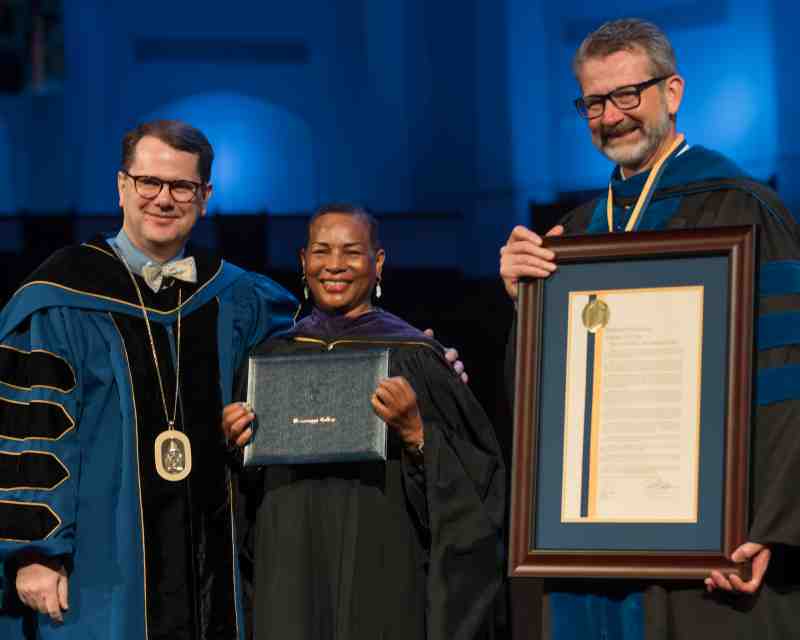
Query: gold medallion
x=173 y=454
x=596 y=315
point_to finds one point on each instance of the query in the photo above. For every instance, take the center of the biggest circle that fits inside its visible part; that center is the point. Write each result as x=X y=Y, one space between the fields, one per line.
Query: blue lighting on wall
x=264 y=156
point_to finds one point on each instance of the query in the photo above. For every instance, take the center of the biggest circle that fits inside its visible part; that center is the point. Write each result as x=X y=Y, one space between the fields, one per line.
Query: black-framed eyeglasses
x=624 y=98
x=149 y=187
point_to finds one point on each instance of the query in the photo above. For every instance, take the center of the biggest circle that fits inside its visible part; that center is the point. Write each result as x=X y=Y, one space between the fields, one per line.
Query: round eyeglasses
x=149 y=187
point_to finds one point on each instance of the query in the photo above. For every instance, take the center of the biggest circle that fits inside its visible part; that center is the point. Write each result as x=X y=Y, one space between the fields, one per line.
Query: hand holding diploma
x=236 y=420
x=395 y=402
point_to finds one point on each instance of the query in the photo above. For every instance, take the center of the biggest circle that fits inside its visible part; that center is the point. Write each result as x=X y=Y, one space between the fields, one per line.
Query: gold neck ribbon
x=647 y=190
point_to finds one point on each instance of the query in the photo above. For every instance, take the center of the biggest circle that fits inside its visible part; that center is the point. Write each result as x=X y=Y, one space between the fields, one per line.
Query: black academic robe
x=683 y=610
x=391 y=550
x=80 y=409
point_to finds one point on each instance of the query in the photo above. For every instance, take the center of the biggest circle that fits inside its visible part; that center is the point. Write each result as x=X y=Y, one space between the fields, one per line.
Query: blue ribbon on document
x=587 y=420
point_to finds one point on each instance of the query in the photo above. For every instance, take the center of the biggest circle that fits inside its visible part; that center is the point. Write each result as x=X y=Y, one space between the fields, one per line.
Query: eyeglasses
x=149 y=187
x=623 y=98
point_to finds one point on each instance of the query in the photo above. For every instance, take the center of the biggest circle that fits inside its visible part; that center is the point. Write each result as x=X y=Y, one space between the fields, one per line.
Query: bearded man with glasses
x=116 y=358
x=630 y=95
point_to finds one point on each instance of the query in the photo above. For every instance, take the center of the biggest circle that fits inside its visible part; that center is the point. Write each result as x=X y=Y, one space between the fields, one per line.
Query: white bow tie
x=154 y=273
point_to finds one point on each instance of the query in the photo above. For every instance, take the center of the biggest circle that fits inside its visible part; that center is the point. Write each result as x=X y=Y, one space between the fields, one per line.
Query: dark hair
x=628 y=34
x=178 y=135
x=350 y=210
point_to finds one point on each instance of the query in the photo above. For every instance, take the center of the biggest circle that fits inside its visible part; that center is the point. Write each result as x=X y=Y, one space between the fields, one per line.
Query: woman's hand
x=236 y=420
x=395 y=402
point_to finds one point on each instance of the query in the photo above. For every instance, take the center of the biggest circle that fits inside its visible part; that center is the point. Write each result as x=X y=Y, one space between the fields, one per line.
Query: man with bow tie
x=116 y=357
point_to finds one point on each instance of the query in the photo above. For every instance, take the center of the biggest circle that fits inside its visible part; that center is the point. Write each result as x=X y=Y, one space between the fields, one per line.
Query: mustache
x=617 y=130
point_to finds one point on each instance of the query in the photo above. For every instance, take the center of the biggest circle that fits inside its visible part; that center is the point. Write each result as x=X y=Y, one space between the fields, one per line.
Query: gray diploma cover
x=315 y=407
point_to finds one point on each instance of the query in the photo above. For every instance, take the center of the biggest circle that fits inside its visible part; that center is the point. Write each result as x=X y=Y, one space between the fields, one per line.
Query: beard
x=632 y=155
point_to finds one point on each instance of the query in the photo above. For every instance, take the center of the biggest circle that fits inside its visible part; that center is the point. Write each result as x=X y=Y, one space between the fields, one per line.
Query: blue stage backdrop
x=461 y=108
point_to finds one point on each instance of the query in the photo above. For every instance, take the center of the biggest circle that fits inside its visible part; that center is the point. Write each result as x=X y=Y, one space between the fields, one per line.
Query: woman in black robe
x=409 y=548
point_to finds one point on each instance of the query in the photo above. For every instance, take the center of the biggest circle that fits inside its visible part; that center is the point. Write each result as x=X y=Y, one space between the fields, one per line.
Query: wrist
x=416 y=450
x=30 y=556
x=414 y=437
x=415 y=443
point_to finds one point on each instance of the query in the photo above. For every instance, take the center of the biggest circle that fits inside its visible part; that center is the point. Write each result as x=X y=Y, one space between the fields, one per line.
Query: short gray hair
x=628 y=34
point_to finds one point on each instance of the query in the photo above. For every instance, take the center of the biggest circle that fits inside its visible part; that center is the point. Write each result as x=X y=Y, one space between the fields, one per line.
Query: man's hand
x=236 y=420
x=451 y=355
x=758 y=554
x=395 y=402
x=42 y=584
x=523 y=256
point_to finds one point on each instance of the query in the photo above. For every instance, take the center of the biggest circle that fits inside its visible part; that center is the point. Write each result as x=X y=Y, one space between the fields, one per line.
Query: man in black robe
x=631 y=94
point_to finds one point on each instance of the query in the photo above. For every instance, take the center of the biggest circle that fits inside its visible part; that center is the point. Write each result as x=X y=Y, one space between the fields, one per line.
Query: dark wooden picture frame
x=737 y=244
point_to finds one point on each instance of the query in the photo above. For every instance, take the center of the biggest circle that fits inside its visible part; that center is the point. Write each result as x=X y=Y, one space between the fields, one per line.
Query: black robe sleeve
x=681 y=610
x=775 y=452
x=464 y=496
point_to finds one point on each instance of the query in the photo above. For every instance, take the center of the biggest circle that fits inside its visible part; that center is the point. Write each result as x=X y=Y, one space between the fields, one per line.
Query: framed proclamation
x=633 y=406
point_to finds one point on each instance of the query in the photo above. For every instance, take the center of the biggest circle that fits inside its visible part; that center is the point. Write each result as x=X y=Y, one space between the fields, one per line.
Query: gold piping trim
x=38 y=453
x=124 y=302
x=138 y=471
x=234 y=550
x=55 y=404
x=235 y=564
x=35 y=504
x=330 y=345
x=110 y=254
x=36 y=386
x=42 y=386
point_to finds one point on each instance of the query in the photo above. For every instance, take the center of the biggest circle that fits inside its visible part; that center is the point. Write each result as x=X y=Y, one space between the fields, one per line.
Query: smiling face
x=340 y=264
x=159 y=227
x=633 y=138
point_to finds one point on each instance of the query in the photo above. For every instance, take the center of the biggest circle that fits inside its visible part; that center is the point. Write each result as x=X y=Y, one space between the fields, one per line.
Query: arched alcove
x=264 y=156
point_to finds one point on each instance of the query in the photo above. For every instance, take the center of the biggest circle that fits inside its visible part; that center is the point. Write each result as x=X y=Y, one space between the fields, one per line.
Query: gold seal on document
x=595 y=315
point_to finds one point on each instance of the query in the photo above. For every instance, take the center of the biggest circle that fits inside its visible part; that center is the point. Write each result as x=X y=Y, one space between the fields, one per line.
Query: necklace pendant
x=173 y=453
